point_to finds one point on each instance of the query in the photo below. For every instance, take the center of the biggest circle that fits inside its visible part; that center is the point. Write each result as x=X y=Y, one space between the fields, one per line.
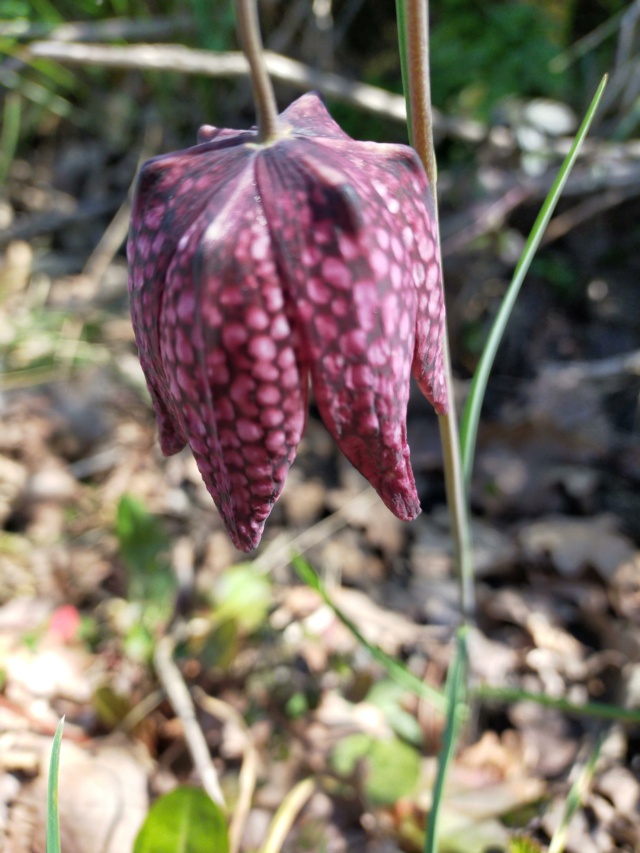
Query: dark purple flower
x=254 y=265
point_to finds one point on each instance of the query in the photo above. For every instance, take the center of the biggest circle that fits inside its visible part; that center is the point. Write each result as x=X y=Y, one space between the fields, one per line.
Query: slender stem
x=456 y=496
x=417 y=29
x=251 y=40
x=417 y=23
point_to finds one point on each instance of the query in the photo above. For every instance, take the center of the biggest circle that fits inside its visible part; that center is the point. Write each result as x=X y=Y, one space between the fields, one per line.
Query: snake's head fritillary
x=254 y=266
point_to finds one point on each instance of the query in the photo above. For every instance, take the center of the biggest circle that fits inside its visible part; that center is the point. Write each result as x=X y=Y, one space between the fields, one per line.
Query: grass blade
x=10 y=134
x=456 y=690
x=471 y=413
x=595 y=710
x=575 y=799
x=53 y=819
x=285 y=817
x=401 y=21
x=395 y=670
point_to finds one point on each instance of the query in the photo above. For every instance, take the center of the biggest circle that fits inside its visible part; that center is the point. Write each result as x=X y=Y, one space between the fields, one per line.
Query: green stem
x=456 y=694
x=416 y=18
x=249 y=33
x=456 y=496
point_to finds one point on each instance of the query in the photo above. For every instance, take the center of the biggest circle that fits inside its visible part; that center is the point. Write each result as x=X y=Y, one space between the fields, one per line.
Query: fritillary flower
x=255 y=266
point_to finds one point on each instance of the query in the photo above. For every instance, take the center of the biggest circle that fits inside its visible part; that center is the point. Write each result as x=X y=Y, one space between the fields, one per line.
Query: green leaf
x=184 y=821
x=471 y=413
x=391 y=767
x=388 y=695
x=53 y=820
x=244 y=595
x=142 y=542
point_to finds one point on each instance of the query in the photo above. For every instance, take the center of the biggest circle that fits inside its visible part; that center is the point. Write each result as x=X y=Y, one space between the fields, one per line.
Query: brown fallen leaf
x=572 y=544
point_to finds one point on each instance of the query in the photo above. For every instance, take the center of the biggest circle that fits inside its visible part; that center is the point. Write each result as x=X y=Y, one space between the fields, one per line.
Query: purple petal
x=171 y=192
x=354 y=301
x=227 y=346
x=308 y=116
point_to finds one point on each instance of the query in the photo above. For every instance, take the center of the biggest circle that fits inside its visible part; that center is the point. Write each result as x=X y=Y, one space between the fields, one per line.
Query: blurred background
x=102 y=539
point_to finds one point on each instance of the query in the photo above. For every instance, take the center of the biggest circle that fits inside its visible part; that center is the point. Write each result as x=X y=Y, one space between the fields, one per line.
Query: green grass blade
x=10 y=133
x=594 y=710
x=575 y=799
x=53 y=820
x=456 y=690
x=395 y=670
x=471 y=413
x=401 y=16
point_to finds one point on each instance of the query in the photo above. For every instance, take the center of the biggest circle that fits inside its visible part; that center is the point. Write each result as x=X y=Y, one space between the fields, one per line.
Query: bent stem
x=415 y=18
x=251 y=40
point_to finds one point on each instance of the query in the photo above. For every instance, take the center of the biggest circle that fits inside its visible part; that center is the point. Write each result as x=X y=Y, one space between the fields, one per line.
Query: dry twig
x=249 y=770
x=180 y=698
x=185 y=60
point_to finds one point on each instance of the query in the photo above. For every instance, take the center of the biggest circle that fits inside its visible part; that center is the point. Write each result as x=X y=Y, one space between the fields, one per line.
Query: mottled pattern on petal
x=406 y=211
x=171 y=192
x=355 y=307
x=228 y=349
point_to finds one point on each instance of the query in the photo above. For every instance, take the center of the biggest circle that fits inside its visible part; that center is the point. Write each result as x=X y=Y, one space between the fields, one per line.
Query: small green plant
x=183 y=821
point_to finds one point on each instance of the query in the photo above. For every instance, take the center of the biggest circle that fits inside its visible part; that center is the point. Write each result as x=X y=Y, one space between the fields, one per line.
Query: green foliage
x=184 y=821
x=243 y=595
x=389 y=696
x=151 y=584
x=216 y=24
x=38 y=346
x=482 y=52
x=391 y=768
x=241 y=600
x=111 y=707
x=143 y=544
x=524 y=845
x=560 y=275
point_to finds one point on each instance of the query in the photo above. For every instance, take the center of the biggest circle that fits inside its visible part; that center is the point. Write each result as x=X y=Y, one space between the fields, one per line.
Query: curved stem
x=251 y=40
x=417 y=40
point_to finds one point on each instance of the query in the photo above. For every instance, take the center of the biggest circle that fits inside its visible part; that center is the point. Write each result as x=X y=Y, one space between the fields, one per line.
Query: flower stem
x=251 y=40
x=417 y=41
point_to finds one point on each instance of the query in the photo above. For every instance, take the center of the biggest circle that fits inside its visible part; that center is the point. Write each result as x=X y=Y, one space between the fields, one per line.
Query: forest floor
x=106 y=546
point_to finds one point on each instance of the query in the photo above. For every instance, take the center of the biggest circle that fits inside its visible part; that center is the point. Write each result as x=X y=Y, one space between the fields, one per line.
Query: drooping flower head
x=256 y=265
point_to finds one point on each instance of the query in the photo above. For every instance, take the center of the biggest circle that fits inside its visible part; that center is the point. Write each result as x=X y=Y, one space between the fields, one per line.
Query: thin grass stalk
x=456 y=694
x=595 y=710
x=10 y=134
x=395 y=670
x=286 y=815
x=575 y=798
x=415 y=16
x=401 y=24
x=473 y=406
